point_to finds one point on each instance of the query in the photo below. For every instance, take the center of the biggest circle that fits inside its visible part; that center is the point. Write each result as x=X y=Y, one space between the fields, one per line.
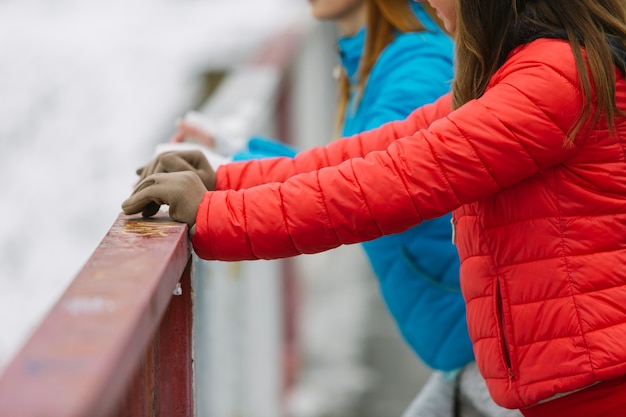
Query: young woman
x=529 y=150
x=394 y=57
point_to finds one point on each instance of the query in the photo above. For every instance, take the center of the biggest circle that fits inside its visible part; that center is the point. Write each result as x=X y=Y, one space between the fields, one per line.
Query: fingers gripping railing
x=117 y=342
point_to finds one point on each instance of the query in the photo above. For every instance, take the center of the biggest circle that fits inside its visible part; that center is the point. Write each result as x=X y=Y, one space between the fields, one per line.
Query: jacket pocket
x=504 y=344
x=417 y=271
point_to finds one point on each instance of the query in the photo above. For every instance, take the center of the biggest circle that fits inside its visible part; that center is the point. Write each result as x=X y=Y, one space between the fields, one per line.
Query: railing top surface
x=88 y=345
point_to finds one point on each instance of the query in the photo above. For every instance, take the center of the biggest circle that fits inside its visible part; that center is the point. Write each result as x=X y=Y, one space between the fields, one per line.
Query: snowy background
x=88 y=88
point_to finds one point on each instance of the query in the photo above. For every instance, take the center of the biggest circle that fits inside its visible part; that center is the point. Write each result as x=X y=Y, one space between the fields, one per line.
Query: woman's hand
x=187 y=132
x=182 y=191
x=177 y=161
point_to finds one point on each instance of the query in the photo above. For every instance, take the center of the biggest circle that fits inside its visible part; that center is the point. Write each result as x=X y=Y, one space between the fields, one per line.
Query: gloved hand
x=182 y=191
x=193 y=160
x=259 y=148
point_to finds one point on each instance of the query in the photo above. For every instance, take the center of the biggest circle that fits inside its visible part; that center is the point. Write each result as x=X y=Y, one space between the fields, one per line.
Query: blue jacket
x=418 y=270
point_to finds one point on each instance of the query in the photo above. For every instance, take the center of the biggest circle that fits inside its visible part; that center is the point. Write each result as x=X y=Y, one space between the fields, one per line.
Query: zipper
x=453 y=223
x=503 y=343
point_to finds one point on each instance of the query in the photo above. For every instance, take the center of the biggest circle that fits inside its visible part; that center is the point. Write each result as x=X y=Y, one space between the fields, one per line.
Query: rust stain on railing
x=145 y=228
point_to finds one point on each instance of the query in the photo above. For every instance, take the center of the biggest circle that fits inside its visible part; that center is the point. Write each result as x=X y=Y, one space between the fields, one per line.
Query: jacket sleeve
x=517 y=128
x=246 y=174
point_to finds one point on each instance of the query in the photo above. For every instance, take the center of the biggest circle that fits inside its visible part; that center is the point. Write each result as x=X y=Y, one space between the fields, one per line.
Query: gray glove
x=182 y=191
x=176 y=161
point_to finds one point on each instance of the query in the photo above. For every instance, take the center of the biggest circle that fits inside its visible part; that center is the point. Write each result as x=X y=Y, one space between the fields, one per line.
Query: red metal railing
x=117 y=343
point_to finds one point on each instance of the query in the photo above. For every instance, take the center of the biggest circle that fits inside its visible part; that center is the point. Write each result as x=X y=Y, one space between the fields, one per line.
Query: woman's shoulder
x=552 y=55
x=549 y=49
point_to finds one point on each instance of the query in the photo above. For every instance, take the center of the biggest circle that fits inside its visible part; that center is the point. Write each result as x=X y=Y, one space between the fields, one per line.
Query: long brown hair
x=384 y=17
x=487 y=30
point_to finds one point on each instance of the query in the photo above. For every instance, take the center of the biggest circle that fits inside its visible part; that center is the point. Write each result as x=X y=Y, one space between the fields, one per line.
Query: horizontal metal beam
x=81 y=359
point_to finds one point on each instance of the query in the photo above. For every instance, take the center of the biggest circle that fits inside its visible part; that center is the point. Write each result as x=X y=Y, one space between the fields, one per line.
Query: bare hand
x=188 y=133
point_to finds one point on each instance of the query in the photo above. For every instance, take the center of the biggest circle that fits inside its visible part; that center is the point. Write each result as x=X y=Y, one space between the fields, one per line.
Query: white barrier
x=244 y=336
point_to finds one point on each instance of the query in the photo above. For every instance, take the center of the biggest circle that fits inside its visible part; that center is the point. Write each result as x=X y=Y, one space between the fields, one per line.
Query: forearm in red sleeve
x=471 y=153
x=246 y=174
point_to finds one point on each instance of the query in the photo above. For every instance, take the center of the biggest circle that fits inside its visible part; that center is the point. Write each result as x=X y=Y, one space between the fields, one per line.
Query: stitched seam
x=228 y=180
x=404 y=182
x=569 y=336
x=330 y=220
x=443 y=172
x=539 y=107
x=471 y=145
x=479 y=255
x=369 y=210
x=522 y=345
x=567 y=296
x=514 y=136
x=529 y=262
x=208 y=208
x=286 y=223
x=478 y=297
x=570 y=282
x=326 y=156
x=245 y=225
x=561 y=74
x=607 y=327
x=474 y=341
x=530 y=219
x=540 y=380
x=621 y=142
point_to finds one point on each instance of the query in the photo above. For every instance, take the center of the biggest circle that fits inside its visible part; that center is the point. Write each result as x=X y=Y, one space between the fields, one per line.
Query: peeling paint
x=89 y=305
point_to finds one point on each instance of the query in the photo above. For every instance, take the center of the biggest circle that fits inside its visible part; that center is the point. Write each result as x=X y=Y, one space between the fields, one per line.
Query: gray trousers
x=465 y=396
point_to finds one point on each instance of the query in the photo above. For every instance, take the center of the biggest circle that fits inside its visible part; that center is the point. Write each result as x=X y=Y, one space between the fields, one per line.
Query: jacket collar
x=350 y=49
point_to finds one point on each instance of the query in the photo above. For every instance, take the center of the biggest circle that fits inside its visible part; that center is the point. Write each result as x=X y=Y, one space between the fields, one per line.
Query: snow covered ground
x=87 y=89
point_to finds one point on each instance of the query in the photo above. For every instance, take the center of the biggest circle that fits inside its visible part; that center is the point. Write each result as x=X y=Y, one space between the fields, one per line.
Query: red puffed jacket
x=540 y=225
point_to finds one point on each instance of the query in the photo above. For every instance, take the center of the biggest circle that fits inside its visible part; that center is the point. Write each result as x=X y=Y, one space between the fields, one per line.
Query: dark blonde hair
x=487 y=30
x=384 y=18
